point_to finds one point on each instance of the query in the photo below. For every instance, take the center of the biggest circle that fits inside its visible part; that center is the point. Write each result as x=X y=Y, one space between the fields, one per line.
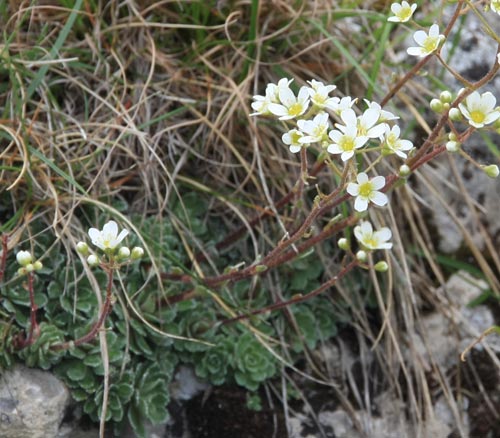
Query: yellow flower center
x=295 y=137
x=365 y=189
x=295 y=109
x=370 y=242
x=430 y=44
x=319 y=99
x=405 y=13
x=477 y=116
x=346 y=144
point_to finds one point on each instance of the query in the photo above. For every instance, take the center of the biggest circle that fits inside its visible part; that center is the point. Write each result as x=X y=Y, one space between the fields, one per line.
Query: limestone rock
x=32 y=403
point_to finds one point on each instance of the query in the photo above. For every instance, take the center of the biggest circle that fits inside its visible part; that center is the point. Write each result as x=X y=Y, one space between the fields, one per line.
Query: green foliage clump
x=254 y=363
x=141 y=358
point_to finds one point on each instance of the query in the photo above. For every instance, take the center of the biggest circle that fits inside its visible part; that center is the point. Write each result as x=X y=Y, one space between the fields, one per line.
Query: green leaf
x=77 y=371
x=136 y=421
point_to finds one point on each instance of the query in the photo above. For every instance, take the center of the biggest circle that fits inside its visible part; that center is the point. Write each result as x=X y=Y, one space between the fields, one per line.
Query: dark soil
x=223 y=414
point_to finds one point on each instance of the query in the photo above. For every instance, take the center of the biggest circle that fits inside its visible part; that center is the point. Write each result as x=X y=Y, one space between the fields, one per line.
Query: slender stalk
x=423 y=61
x=3 y=260
x=97 y=326
x=240 y=232
x=299 y=298
x=34 y=329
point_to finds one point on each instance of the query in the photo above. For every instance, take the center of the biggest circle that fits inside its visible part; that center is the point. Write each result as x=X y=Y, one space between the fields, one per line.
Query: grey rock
x=32 y=403
x=444 y=199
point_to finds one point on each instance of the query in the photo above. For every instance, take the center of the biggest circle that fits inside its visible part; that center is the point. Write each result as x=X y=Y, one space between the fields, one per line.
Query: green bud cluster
x=25 y=259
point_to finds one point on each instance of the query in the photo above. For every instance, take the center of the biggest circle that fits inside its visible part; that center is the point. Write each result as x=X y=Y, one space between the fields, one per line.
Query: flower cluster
x=338 y=126
x=108 y=240
x=25 y=259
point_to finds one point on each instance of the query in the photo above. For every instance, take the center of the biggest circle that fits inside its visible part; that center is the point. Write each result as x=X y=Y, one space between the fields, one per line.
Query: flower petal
x=352 y=189
x=379 y=198
x=360 y=204
x=378 y=182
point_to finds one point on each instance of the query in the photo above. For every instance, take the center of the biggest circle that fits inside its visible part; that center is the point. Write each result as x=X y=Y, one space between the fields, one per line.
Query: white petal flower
x=370 y=239
x=384 y=115
x=318 y=92
x=292 y=140
x=345 y=142
x=428 y=43
x=261 y=103
x=495 y=6
x=402 y=12
x=315 y=128
x=367 y=190
x=340 y=105
x=392 y=144
x=290 y=106
x=368 y=126
x=108 y=238
x=479 y=110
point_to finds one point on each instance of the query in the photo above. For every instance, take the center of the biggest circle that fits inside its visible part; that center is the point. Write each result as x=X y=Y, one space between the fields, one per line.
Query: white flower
x=366 y=191
x=402 y=12
x=346 y=141
x=261 y=103
x=428 y=43
x=391 y=142
x=384 y=115
x=315 y=129
x=24 y=258
x=292 y=140
x=290 y=106
x=343 y=104
x=479 y=110
x=367 y=124
x=108 y=238
x=318 y=92
x=495 y=6
x=373 y=239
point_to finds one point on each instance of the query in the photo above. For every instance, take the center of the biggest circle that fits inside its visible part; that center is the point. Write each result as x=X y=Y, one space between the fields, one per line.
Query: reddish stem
x=3 y=261
x=97 y=326
x=300 y=298
x=34 y=329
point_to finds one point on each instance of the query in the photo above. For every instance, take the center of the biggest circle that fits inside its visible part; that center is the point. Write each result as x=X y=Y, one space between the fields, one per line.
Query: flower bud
x=38 y=265
x=92 y=260
x=24 y=258
x=29 y=267
x=404 y=170
x=455 y=115
x=436 y=105
x=123 y=253
x=22 y=271
x=491 y=170
x=82 y=248
x=381 y=266
x=452 y=136
x=452 y=146
x=361 y=256
x=137 y=253
x=445 y=97
x=343 y=243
